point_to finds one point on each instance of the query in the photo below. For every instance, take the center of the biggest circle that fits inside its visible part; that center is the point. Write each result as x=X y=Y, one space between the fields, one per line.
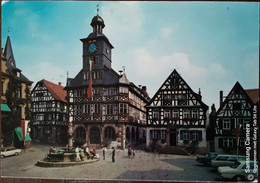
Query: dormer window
x=18 y=74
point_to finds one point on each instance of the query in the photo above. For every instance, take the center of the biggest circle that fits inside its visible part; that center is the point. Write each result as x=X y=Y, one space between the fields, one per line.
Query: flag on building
x=91 y=63
x=237 y=135
x=24 y=125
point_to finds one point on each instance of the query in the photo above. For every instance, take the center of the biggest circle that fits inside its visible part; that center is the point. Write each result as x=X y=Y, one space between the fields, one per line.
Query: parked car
x=10 y=152
x=207 y=158
x=226 y=160
x=238 y=171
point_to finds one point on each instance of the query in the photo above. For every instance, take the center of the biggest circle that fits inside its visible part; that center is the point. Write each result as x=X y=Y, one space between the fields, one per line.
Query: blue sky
x=211 y=44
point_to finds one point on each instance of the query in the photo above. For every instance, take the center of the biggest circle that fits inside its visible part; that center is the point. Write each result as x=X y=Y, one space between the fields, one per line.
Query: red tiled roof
x=253 y=94
x=56 y=91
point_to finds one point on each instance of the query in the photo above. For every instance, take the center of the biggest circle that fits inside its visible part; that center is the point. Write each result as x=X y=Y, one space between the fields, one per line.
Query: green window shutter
x=200 y=135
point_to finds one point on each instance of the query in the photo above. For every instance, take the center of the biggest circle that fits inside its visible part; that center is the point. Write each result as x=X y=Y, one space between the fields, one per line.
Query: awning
x=4 y=107
x=19 y=134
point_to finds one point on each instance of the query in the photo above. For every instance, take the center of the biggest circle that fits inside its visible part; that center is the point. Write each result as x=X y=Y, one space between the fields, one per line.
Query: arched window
x=128 y=133
x=94 y=136
x=110 y=133
x=80 y=133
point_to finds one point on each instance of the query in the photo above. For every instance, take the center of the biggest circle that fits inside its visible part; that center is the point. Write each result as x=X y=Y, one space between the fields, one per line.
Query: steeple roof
x=8 y=52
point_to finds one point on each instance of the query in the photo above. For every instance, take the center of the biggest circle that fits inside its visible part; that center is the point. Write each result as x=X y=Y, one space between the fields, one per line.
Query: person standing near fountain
x=113 y=154
x=77 y=154
x=104 y=149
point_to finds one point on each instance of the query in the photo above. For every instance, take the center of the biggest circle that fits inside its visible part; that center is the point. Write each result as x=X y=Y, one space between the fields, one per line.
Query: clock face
x=92 y=48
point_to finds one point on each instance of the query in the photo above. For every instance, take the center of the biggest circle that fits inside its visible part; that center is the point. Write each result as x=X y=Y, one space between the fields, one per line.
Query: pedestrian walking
x=104 y=149
x=129 y=152
x=133 y=153
x=77 y=154
x=113 y=154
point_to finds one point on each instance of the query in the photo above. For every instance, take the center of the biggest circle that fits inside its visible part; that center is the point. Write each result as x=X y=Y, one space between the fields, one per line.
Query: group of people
x=130 y=152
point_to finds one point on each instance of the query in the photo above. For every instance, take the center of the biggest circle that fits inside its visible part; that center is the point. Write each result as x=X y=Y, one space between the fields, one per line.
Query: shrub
x=106 y=142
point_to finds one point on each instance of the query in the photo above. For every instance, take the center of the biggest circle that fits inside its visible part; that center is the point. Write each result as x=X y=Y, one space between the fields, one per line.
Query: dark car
x=207 y=158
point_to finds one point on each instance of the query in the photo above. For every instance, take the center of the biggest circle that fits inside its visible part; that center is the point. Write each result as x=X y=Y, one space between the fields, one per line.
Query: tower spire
x=98 y=9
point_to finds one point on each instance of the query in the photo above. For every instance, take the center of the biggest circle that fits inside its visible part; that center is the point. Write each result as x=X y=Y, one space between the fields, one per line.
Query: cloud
x=166 y=32
x=124 y=19
x=45 y=70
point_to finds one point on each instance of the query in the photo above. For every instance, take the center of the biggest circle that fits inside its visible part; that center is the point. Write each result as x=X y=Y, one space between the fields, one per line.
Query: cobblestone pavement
x=144 y=166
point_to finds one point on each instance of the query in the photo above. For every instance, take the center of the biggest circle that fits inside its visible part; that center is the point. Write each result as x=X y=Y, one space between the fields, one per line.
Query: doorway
x=173 y=140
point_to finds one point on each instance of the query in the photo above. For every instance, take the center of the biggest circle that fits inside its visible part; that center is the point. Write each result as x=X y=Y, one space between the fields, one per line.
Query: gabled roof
x=174 y=72
x=8 y=52
x=10 y=62
x=237 y=88
x=56 y=90
x=253 y=94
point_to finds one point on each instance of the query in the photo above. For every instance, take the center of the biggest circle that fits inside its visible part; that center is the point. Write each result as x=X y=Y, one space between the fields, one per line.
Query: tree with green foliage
x=13 y=120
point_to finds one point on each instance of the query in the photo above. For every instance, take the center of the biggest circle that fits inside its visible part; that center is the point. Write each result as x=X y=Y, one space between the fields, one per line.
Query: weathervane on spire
x=8 y=30
x=98 y=8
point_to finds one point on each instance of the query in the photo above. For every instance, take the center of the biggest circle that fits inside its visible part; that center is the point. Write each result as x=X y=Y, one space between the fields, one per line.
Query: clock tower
x=96 y=46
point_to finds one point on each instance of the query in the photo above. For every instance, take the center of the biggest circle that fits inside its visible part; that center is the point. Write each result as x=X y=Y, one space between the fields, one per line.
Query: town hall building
x=113 y=107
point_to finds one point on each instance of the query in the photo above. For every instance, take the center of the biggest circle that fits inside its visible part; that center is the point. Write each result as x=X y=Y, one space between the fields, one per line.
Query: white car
x=226 y=160
x=10 y=152
x=239 y=171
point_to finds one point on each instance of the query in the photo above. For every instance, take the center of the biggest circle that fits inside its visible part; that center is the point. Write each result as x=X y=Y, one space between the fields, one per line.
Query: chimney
x=59 y=83
x=143 y=90
x=220 y=98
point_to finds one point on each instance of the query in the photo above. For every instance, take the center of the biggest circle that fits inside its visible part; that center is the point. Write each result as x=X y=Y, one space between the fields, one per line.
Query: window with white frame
x=195 y=114
x=186 y=114
x=109 y=110
x=166 y=114
x=96 y=91
x=175 y=114
x=155 y=134
x=156 y=114
x=196 y=135
x=110 y=91
x=163 y=134
x=186 y=135
x=123 y=90
x=97 y=108
x=227 y=142
x=86 y=108
x=123 y=108
x=167 y=97
x=226 y=124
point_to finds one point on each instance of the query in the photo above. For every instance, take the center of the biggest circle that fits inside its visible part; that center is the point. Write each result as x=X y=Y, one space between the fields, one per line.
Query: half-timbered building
x=15 y=94
x=114 y=108
x=232 y=120
x=176 y=115
x=48 y=111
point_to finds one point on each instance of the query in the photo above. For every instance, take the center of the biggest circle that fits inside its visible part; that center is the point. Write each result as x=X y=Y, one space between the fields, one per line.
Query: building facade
x=48 y=112
x=115 y=109
x=176 y=116
x=12 y=76
x=232 y=120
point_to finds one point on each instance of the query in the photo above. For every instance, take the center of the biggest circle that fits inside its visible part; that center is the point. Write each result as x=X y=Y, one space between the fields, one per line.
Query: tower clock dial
x=92 y=48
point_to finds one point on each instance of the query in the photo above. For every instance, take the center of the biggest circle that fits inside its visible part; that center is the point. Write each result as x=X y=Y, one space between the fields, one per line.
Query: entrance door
x=94 y=136
x=173 y=137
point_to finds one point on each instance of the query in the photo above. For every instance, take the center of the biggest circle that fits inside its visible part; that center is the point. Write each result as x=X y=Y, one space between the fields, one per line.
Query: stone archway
x=94 y=135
